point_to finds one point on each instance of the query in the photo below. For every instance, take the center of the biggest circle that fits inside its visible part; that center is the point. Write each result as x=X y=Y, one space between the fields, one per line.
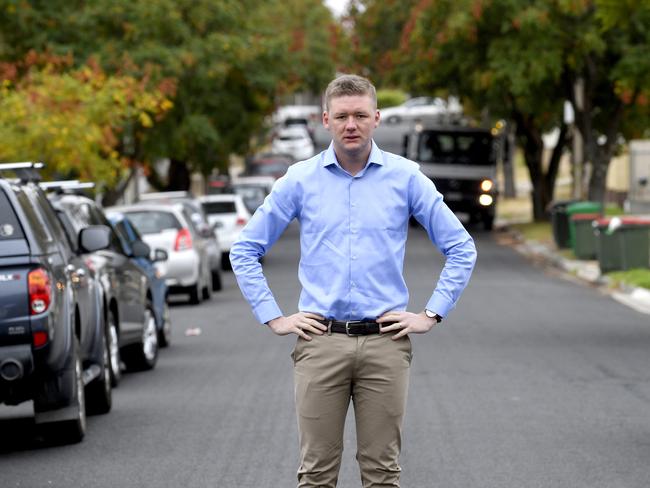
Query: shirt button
x=354 y=257
x=353 y=285
x=353 y=204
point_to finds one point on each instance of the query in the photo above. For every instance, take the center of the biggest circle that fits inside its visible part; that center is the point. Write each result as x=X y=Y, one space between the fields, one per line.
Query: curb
x=587 y=272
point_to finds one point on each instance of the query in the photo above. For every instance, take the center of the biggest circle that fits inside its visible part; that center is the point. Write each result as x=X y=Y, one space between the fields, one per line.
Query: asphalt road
x=534 y=381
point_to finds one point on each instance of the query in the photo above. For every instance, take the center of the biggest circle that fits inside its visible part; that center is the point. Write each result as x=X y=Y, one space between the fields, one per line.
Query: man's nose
x=350 y=123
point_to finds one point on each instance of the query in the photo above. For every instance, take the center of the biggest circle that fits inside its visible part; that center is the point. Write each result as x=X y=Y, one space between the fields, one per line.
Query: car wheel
x=195 y=293
x=165 y=333
x=206 y=291
x=69 y=431
x=99 y=393
x=225 y=261
x=114 y=350
x=144 y=354
x=217 y=285
x=488 y=222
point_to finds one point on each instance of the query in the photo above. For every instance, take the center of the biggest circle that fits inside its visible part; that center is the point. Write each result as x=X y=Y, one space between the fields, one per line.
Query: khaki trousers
x=330 y=370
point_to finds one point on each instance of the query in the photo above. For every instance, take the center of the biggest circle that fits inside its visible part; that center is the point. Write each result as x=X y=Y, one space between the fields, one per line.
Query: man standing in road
x=353 y=202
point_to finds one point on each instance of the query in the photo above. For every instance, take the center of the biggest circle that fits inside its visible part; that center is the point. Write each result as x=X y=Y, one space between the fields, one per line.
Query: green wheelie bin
x=584 y=239
x=560 y=222
x=585 y=207
x=623 y=243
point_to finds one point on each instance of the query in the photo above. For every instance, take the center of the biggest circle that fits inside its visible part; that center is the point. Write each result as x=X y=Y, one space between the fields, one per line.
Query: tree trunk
x=533 y=146
x=111 y=196
x=179 y=176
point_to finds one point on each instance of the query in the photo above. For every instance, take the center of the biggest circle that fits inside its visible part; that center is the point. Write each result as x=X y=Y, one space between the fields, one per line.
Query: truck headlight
x=485 y=200
x=487 y=185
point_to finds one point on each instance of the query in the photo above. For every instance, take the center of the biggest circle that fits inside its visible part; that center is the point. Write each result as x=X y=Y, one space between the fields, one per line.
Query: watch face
x=429 y=314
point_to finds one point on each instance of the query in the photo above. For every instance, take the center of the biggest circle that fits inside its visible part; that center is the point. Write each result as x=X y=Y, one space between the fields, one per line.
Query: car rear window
x=219 y=207
x=152 y=222
x=9 y=225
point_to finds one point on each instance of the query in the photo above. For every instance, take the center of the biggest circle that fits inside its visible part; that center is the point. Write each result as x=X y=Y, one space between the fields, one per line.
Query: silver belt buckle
x=347 y=327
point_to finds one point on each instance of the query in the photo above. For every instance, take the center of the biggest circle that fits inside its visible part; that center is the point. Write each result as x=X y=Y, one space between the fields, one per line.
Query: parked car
x=193 y=207
x=126 y=292
x=269 y=164
x=53 y=345
x=229 y=215
x=170 y=227
x=253 y=190
x=131 y=239
x=418 y=107
x=294 y=140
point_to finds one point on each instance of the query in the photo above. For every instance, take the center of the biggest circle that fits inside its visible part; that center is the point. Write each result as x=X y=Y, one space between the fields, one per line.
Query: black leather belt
x=351 y=327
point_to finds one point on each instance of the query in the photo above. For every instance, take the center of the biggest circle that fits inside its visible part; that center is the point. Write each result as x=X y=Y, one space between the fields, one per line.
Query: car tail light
x=40 y=291
x=183 y=240
x=241 y=221
x=39 y=338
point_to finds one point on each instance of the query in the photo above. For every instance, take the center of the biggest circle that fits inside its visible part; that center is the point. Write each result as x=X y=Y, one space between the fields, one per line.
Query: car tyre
x=217 y=284
x=195 y=293
x=144 y=354
x=165 y=332
x=206 y=291
x=70 y=431
x=99 y=393
x=114 y=350
x=225 y=261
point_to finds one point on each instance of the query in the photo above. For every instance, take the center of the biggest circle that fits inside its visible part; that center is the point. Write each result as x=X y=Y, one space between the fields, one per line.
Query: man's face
x=351 y=120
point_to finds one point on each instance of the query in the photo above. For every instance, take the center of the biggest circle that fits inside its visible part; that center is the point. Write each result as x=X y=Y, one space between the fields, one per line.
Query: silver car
x=170 y=227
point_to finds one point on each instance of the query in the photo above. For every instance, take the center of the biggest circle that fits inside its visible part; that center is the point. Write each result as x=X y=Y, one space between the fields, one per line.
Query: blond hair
x=349 y=85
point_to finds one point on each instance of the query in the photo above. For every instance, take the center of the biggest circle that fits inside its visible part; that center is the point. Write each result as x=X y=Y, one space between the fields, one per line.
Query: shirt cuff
x=440 y=306
x=267 y=311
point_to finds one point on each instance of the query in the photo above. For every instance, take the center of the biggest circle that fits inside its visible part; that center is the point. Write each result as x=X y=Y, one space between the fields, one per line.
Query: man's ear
x=326 y=120
x=377 y=118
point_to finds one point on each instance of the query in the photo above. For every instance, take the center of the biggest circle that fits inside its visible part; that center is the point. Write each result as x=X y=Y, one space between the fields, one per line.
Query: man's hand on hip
x=299 y=323
x=406 y=323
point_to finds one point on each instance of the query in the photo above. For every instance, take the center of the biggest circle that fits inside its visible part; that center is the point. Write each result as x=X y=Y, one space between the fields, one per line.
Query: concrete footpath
x=587 y=272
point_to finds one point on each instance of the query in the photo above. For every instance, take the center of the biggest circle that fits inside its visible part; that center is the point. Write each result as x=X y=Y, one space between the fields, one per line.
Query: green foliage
x=225 y=62
x=75 y=121
x=390 y=98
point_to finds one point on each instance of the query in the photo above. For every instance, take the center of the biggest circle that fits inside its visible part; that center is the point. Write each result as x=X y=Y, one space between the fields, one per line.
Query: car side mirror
x=140 y=249
x=160 y=255
x=94 y=238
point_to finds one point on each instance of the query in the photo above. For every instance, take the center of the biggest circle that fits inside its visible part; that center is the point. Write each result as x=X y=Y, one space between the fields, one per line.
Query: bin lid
x=612 y=224
x=584 y=207
x=585 y=216
x=560 y=205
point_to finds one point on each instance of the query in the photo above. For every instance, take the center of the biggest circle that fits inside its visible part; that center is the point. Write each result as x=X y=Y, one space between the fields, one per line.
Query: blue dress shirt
x=352 y=238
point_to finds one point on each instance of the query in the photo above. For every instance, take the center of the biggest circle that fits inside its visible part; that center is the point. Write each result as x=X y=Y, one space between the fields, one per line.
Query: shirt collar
x=375 y=157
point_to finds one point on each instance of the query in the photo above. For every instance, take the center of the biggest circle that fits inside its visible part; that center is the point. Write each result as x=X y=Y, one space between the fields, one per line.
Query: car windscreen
x=456 y=148
x=219 y=207
x=153 y=222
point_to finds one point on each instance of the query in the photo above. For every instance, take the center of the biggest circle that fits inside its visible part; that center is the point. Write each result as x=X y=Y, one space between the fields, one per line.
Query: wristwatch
x=432 y=315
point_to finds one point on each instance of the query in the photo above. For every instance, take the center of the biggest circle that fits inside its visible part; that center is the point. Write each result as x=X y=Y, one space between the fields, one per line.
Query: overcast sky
x=336 y=6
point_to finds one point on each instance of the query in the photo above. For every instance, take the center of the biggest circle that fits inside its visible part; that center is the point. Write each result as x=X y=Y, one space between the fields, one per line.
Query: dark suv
x=53 y=347
x=125 y=289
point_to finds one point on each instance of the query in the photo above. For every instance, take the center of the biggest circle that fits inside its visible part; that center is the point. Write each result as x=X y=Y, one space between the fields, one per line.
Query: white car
x=170 y=227
x=294 y=140
x=419 y=107
x=253 y=189
x=228 y=214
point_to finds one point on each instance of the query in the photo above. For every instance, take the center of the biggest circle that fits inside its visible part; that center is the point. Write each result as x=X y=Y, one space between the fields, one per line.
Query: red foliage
x=477 y=9
x=409 y=27
x=298 y=41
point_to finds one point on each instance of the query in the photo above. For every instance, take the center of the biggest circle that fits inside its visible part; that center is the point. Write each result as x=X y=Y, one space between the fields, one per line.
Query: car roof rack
x=66 y=186
x=24 y=171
